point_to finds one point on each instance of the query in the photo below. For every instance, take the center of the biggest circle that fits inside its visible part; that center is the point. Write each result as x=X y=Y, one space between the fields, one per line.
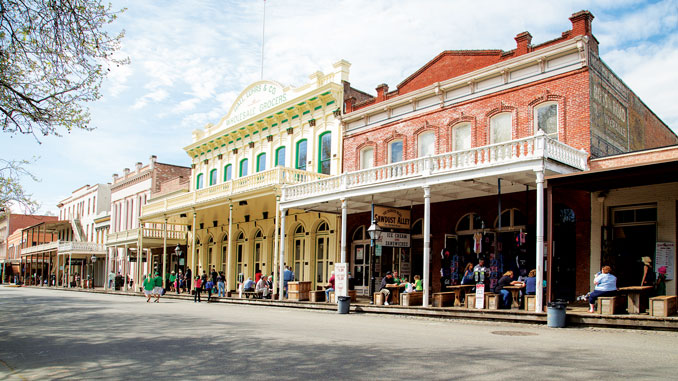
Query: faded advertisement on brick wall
x=609 y=111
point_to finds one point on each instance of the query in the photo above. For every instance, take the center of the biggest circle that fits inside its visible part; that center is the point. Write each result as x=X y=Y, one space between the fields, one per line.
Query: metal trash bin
x=555 y=314
x=343 y=304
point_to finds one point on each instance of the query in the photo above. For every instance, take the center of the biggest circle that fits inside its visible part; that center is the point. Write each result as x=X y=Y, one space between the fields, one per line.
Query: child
x=418 y=284
x=409 y=287
x=660 y=285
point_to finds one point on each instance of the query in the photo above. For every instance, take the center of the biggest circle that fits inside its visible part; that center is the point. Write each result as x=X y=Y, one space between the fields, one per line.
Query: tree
x=54 y=55
x=11 y=191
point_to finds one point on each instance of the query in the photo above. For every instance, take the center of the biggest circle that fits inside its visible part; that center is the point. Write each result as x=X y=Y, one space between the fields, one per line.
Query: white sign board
x=341 y=279
x=480 y=296
x=255 y=99
x=664 y=254
x=391 y=239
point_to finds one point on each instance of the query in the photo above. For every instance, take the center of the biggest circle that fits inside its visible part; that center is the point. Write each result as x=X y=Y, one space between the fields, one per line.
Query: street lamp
x=91 y=280
x=375 y=233
x=177 y=252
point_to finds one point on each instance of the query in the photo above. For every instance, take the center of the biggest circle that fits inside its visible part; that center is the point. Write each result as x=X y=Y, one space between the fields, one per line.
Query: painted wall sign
x=255 y=99
x=391 y=239
x=664 y=254
x=392 y=218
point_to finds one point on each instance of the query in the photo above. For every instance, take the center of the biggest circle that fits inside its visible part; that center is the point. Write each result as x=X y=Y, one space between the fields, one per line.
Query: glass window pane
x=213 y=177
x=301 y=155
x=198 y=181
x=461 y=137
x=228 y=172
x=367 y=158
x=280 y=157
x=325 y=153
x=426 y=144
x=243 y=168
x=396 y=151
x=646 y=215
x=261 y=162
x=500 y=128
x=547 y=119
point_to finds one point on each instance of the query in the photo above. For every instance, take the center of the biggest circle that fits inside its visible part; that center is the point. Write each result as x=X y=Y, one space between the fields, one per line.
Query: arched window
x=322 y=250
x=470 y=221
x=280 y=157
x=426 y=144
x=511 y=218
x=199 y=181
x=359 y=234
x=301 y=155
x=324 y=152
x=299 y=253
x=546 y=119
x=243 y=168
x=367 y=158
x=261 y=162
x=500 y=128
x=228 y=172
x=258 y=254
x=240 y=265
x=213 y=177
x=461 y=137
x=395 y=151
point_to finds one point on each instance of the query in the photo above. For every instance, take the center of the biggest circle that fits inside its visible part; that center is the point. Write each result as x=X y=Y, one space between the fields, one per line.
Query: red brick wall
x=570 y=91
x=164 y=172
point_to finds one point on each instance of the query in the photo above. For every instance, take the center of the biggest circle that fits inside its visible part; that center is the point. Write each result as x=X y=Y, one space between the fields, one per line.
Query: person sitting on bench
x=262 y=287
x=388 y=279
x=329 y=287
x=248 y=286
x=605 y=285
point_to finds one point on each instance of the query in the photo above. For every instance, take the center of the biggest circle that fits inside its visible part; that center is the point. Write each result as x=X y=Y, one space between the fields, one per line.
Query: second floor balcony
x=258 y=184
x=153 y=234
x=65 y=247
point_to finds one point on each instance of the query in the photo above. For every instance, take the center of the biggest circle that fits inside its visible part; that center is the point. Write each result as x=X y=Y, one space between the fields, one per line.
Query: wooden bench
x=611 y=305
x=663 y=305
x=442 y=299
x=253 y=294
x=492 y=301
x=530 y=302
x=316 y=296
x=412 y=299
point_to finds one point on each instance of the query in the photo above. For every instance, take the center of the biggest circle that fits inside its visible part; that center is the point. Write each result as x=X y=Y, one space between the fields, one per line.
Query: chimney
x=152 y=161
x=115 y=177
x=138 y=166
x=349 y=102
x=581 y=23
x=523 y=41
x=381 y=92
x=126 y=172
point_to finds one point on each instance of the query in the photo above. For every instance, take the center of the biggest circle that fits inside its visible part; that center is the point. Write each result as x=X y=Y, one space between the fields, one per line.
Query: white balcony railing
x=231 y=188
x=132 y=235
x=534 y=147
x=65 y=246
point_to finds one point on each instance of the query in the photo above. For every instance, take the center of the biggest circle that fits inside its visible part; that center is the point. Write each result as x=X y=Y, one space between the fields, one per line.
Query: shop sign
x=254 y=100
x=480 y=296
x=392 y=239
x=392 y=218
x=341 y=279
x=664 y=254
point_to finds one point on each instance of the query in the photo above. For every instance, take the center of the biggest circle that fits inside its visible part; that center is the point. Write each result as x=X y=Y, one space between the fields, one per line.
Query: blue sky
x=190 y=60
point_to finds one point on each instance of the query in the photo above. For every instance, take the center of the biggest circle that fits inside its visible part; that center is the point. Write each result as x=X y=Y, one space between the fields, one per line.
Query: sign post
x=480 y=296
x=341 y=279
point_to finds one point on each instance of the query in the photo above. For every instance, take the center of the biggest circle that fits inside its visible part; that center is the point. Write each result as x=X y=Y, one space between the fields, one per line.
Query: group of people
x=153 y=287
x=605 y=284
x=215 y=283
x=261 y=284
x=392 y=278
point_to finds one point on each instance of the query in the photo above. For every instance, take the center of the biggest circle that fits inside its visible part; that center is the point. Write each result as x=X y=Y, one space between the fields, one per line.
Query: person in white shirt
x=605 y=285
x=262 y=286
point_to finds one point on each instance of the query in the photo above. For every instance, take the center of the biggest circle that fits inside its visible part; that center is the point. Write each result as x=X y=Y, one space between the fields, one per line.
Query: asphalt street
x=56 y=334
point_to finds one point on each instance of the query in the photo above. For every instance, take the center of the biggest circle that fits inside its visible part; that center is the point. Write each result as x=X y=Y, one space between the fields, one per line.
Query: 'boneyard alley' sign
x=392 y=218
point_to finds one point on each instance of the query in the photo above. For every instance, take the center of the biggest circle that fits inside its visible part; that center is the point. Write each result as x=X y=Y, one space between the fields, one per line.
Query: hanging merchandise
x=478 y=242
x=456 y=278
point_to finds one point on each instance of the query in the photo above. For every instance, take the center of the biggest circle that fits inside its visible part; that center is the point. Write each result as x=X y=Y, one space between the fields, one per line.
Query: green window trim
x=213 y=177
x=259 y=156
x=277 y=156
x=240 y=171
x=320 y=150
x=296 y=155
x=198 y=181
x=228 y=172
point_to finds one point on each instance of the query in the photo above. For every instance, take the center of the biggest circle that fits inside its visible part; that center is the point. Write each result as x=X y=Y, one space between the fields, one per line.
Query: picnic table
x=460 y=291
x=515 y=294
x=395 y=289
x=638 y=297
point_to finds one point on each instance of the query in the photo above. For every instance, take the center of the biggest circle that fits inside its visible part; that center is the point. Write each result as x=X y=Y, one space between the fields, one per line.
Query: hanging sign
x=664 y=254
x=341 y=279
x=392 y=218
x=392 y=239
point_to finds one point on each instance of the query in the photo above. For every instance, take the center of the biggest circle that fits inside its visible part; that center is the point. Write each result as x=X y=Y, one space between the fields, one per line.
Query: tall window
x=280 y=157
x=395 y=151
x=243 y=167
x=301 y=154
x=461 y=137
x=546 y=119
x=367 y=158
x=261 y=162
x=325 y=152
x=199 y=181
x=426 y=144
x=213 y=177
x=322 y=272
x=500 y=128
x=228 y=172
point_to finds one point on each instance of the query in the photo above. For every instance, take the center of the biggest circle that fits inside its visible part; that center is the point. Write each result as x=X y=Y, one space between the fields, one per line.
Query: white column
x=427 y=242
x=539 y=299
x=229 y=275
x=281 y=263
x=108 y=250
x=125 y=266
x=343 y=231
x=193 y=269
x=164 y=255
x=276 y=246
x=68 y=280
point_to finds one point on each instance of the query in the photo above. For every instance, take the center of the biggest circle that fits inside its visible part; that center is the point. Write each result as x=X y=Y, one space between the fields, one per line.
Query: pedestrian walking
x=208 y=288
x=221 y=285
x=148 y=288
x=188 y=277
x=198 y=289
x=157 y=289
x=180 y=282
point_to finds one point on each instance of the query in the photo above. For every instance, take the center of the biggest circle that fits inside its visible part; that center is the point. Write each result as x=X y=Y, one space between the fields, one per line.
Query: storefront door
x=299 y=259
x=360 y=257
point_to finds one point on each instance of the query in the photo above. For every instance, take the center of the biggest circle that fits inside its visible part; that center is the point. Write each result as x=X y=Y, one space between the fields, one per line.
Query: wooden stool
x=352 y=294
x=492 y=301
x=470 y=301
x=378 y=298
x=663 y=305
x=530 y=302
x=610 y=305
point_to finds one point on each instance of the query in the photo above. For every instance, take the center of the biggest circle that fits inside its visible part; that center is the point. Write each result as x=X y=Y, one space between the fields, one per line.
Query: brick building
x=469 y=137
x=11 y=240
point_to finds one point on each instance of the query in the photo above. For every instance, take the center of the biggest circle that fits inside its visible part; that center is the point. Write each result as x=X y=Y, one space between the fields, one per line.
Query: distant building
x=10 y=241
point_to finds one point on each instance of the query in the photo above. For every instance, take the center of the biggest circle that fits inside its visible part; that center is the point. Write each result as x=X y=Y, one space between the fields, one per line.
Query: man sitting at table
x=396 y=279
x=388 y=279
x=506 y=280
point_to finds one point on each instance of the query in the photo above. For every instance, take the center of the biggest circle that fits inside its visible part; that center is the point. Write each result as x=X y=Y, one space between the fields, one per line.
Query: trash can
x=343 y=304
x=555 y=314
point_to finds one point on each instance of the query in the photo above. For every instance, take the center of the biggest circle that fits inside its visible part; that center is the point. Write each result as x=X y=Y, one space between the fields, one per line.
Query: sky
x=191 y=59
